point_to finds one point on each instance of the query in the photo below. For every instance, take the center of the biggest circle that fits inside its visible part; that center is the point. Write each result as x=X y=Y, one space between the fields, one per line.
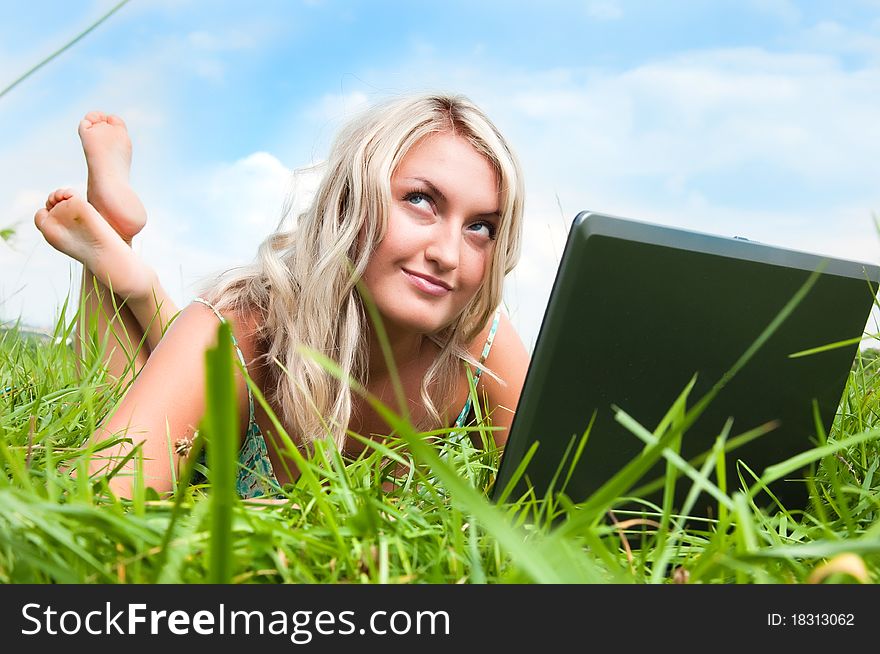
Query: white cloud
x=238 y=203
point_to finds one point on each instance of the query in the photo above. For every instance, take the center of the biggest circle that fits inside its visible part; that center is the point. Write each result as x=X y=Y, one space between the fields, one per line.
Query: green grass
x=338 y=525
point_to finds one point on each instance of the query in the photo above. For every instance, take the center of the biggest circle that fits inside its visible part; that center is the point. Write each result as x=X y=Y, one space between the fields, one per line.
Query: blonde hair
x=302 y=284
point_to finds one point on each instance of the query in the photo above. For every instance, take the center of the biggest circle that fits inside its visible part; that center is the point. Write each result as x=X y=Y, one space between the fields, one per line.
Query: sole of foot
x=107 y=148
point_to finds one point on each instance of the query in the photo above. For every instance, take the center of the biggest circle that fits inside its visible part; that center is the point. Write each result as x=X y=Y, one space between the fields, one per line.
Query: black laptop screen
x=630 y=322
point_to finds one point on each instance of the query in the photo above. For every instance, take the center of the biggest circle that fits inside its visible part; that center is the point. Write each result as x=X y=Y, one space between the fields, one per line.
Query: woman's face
x=441 y=234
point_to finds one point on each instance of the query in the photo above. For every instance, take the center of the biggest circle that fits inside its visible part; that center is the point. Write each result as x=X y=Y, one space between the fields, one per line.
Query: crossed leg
x=98 y=233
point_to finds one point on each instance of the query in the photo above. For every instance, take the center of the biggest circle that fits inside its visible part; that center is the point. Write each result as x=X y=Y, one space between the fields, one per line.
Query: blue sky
x=756 y=118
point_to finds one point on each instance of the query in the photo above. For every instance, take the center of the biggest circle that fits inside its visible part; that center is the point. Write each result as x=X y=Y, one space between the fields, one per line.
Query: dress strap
x=479 y=371
x=240 y=356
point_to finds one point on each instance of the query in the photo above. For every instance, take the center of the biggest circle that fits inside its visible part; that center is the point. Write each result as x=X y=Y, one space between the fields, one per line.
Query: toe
x=61 y=195
x=91 y=119
x=115 y=120
x=58 y=195
x=39 y=218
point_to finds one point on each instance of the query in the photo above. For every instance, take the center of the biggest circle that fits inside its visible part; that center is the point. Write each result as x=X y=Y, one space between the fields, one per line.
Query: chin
x=416 y=322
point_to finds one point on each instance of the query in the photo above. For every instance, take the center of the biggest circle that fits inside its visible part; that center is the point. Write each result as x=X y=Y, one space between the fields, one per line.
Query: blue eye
x=416 y=198
x=491 y=230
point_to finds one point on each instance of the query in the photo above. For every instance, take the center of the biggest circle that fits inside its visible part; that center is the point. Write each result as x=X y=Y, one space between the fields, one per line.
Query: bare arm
x=134 y=316
x=166 y=401
x=154 y=311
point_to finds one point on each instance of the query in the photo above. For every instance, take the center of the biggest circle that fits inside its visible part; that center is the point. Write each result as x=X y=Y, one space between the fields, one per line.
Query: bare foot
x=108 y=155
x=73 y=226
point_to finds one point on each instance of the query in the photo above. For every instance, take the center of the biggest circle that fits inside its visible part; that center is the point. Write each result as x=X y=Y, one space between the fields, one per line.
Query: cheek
x=373 y=273
x=391 y=247
x=478 y=267
x=380 y=266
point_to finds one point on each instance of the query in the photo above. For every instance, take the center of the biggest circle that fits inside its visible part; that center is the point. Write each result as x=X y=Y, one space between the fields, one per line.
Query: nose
x=444 y=247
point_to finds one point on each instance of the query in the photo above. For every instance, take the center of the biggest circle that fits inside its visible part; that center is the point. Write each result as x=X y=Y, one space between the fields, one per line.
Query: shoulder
x=245 y=326
x=508 y=360
x=202 y=322
x=505 y=347
x=193 y=330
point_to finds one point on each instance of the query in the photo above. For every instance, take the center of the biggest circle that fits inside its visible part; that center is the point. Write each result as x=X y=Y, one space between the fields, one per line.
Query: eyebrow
x=436 y=191
x=433 y=189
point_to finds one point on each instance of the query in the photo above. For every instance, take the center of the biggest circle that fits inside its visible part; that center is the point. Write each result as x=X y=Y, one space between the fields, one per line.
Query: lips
x=427 y=283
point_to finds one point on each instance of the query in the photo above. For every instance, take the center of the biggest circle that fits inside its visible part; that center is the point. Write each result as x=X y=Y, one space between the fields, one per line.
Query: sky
x=754 y=118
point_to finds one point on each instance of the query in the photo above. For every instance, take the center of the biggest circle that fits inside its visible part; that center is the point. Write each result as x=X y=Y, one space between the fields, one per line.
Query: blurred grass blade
x=220 y=428
x=61 y=50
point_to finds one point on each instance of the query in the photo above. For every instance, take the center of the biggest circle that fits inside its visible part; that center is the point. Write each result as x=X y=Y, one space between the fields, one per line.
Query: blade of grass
x=799 y=461
x=700 y=481
x=664 y=555
x=830 y=346
x=61 y=50
x=536 y=560
x=220 y=426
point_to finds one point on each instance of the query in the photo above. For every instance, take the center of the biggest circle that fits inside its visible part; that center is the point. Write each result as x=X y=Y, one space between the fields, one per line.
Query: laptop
x=637 y=312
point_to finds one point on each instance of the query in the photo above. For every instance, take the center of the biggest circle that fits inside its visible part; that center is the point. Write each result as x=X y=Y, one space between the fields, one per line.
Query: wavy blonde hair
x=302 y=284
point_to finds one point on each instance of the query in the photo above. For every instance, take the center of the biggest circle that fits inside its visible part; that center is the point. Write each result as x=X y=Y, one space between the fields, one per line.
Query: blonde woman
x=421 y=201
